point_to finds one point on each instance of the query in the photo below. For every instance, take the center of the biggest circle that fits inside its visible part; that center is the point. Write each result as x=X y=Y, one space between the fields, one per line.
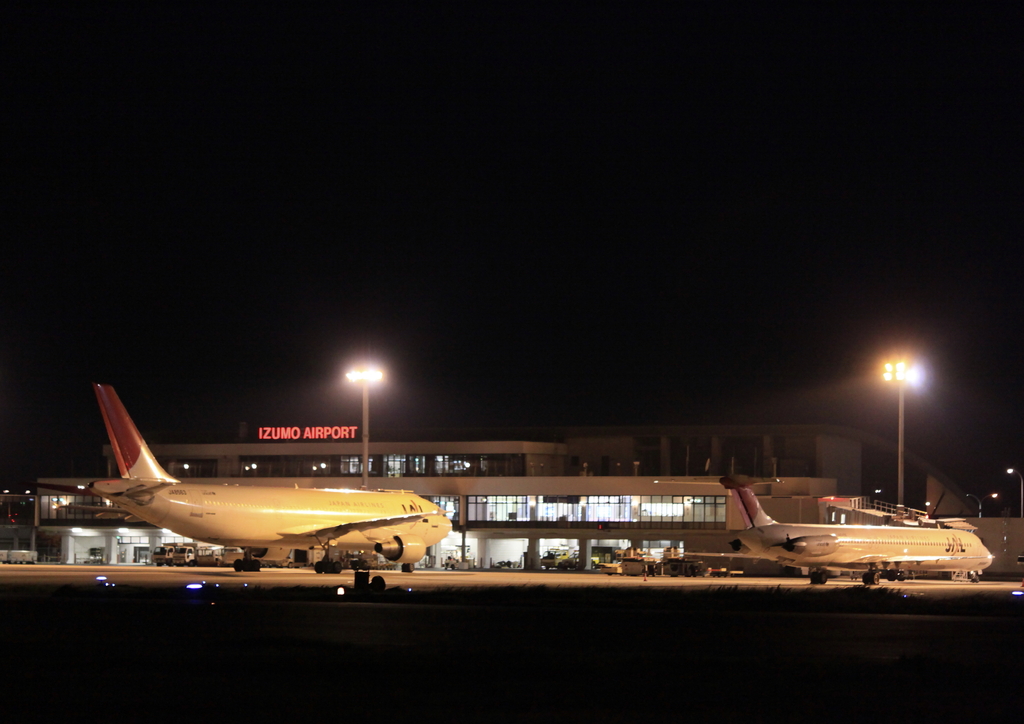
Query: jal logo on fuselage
x=955 y=545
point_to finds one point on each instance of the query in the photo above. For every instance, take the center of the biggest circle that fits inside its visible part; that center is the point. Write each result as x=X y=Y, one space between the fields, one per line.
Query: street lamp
x=990 y=495
x=1017 y=472
x=365 y=377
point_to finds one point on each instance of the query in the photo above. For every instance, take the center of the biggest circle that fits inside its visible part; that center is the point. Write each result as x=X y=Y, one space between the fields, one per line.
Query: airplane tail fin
x=750 y=509
x=134 y=459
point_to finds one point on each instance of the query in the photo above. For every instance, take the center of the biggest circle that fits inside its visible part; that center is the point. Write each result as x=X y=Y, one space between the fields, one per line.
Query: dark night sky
x=583 y=214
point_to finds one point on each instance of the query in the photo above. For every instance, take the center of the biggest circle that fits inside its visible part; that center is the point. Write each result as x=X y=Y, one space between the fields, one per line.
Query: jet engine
x=404 y=549
x=812 y=546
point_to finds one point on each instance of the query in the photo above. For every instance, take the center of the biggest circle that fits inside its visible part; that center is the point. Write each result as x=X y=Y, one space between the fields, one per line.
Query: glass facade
x=478 y=466
x=78 y=507
x=305 y=466
x=506 y=510
x=393 y=466
x=18 y=509
x=597 y=511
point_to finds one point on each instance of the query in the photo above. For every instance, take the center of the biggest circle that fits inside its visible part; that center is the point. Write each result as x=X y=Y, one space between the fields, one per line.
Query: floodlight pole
x=898 y=373
x=899 y=479
x=364 y=379
x=366 y=433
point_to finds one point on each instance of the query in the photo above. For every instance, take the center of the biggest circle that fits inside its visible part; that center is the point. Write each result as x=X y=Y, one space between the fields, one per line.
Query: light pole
x=901 y=374
x=364 y=377
x=990 y=495
x=897 y=372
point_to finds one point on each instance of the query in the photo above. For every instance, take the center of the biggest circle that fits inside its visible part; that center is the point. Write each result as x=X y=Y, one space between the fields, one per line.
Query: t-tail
x=746 y=502
x=134 y=459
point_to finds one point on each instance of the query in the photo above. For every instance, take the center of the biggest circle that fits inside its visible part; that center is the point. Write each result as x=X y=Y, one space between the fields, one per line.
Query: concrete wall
x=590 y=450
x=1004 y=537
x=791 y=510
x=840 y=458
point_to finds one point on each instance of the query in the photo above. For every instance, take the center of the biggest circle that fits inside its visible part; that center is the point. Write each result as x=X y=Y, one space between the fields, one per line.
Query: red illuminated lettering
x=337 y=432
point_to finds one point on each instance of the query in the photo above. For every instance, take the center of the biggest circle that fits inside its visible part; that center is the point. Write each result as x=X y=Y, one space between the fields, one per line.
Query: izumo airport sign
x=344 y=432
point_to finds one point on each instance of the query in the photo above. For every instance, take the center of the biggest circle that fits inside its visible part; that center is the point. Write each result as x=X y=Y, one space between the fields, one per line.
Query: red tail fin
x=134 y=459
x=746 y=502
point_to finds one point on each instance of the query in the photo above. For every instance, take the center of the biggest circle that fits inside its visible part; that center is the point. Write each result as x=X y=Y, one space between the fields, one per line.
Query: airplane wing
x=915 y=559
x=137 y=490
x=923 y=559
x=102 y=511
x=336 y=531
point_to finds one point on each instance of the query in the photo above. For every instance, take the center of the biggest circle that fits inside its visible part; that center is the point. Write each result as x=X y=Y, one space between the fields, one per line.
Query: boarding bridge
x=855 y=511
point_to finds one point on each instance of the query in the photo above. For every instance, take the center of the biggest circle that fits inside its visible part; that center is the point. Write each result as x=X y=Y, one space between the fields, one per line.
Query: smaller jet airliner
x=878 y=550
x=397 y=524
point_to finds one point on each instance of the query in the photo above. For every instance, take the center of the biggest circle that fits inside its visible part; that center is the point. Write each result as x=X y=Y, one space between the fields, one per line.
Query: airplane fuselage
x=236 y=515
x=861 y=547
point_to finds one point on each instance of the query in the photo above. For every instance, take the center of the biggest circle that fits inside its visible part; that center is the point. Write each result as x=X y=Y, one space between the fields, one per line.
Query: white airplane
x=397 y=524
x=878 y=550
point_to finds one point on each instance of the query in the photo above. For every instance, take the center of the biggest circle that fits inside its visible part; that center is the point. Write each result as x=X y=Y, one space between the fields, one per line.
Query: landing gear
x=819 y=577
x=247 y=563
x=872 y=578
x=326 y=566
x=408 y=567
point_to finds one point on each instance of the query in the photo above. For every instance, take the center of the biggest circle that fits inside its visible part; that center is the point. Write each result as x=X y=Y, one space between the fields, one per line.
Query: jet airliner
x=397 y=524
x=878 y=550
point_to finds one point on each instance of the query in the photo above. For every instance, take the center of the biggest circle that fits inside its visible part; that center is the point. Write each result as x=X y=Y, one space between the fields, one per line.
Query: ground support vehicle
x=210 y=556
x=162 y=555
x=23 y=557
x=184 y=555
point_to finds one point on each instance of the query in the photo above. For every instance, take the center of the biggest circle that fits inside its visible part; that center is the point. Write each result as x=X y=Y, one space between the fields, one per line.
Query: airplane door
x=195 y=503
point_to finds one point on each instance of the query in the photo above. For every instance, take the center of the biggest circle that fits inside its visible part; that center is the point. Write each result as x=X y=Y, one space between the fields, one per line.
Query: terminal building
x=524 y=498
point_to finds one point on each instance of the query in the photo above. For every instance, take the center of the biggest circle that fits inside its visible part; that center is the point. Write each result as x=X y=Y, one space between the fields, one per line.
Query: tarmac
x=76 y=648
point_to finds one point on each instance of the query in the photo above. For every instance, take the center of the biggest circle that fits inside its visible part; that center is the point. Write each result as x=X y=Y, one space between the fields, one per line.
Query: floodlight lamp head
x=365 y=375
